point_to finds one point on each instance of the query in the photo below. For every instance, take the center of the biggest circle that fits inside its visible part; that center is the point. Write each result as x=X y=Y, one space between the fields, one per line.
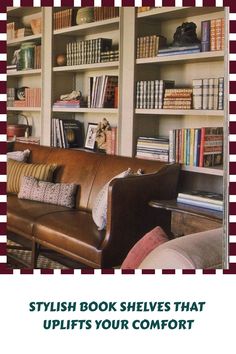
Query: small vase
x=26 y=60
x=85 y=15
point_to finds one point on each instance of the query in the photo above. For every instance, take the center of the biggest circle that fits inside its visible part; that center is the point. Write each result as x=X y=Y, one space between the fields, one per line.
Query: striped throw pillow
x=16 y=170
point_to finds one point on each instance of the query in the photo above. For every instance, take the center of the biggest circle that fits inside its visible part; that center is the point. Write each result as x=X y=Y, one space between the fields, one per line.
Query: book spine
x=218 y=34
x=221 y=93
x=205 y=36
x=197 y=93
x=213 y=35
x=211 y=94
x=203 y=131
x=215 y=94
x=205 y=93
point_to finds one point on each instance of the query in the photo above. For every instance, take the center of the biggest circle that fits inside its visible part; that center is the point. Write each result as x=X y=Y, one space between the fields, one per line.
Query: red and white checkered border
x=232 y=132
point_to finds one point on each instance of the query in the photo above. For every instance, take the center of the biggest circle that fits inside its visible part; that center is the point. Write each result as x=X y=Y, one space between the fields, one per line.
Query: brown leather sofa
x=72 y=232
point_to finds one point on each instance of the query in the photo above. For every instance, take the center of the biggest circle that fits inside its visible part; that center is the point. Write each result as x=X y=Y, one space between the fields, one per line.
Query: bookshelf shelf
x=90 y=28
x=216 y=171
x=17 y=41
x=25 y=109
x=87 y=110
x=167 y=13
x=85 y=67
x=192 y=112
x=22 y=11
x=184 y=58
x=24 y=72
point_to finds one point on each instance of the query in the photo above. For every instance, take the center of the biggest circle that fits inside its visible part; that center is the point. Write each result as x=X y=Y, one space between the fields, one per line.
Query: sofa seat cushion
x=71 y=232
x=22 y=214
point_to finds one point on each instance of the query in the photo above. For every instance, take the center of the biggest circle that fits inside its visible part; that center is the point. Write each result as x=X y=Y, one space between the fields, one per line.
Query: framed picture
x=91 y=136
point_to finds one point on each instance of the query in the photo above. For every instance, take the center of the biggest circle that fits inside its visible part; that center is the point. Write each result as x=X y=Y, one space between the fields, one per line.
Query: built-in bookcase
x=181 y=68
x=20 y=19
x=132 y=122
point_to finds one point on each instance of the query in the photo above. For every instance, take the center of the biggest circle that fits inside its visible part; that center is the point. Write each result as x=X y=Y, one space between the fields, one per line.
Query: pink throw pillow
x=143 y=247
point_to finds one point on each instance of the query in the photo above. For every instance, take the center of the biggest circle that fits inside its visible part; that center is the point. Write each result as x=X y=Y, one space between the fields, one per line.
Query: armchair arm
x=129 y=216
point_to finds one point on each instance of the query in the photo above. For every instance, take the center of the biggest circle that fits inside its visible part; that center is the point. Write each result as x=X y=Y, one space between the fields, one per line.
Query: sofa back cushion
x=16 y=170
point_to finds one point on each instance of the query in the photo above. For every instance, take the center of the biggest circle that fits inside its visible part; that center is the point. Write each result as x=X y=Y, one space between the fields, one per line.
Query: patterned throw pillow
x=143 y=247
x=99 y=210
x=19 y=155
x=47 y=192
x=16 y=170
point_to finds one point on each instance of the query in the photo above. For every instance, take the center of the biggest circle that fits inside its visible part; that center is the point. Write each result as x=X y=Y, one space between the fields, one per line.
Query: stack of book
x=102 y=91
x=208 y=93
x=178 y=98
x=201 y=147
x=67 y=133
x=179 y=50
x=212 y=35
x=11 y=68
x=62 y=19
x=87 y=51
x=111 y=137
x=153 y=148
x=111 y=55
x=106 y=12
x=149 y=46
x=203 y=199
x=67 y=104
x=150 y=94
x=28 y=140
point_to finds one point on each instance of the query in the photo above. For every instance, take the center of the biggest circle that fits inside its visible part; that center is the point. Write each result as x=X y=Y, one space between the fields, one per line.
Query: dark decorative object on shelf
x=185 y=35
x=20 y=93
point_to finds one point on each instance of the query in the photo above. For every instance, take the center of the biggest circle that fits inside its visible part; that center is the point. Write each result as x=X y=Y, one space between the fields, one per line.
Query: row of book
x=111 y=138
x=67 y=18
x=87 y=51
x=153 y=148
x=103 y=91
x=105 y=13
x=148 y=46
x=212 y=34
x=203 y=199
x=32 y=98
x=208 y=93
x=202 y=147
x=178 y=98
x=150 y=94
x=62 y=19
x=110 y=55
x=67 y=133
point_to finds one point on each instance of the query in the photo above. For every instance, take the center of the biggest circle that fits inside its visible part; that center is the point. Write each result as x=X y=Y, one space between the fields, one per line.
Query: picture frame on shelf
x=91 y=136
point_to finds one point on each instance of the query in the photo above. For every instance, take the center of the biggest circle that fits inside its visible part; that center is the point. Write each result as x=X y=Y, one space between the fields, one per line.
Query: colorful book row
x=202 y=147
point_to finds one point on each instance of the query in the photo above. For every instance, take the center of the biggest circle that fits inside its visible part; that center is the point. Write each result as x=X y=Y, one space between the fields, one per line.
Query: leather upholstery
x=73 y=232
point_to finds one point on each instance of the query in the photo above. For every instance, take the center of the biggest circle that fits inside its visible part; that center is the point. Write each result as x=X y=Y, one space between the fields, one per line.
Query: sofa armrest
x=202 y=250
x=129 y=215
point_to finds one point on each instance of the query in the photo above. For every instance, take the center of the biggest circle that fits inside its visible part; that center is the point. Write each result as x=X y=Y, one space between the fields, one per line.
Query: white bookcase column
x=127 y=82
x=46 y=77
